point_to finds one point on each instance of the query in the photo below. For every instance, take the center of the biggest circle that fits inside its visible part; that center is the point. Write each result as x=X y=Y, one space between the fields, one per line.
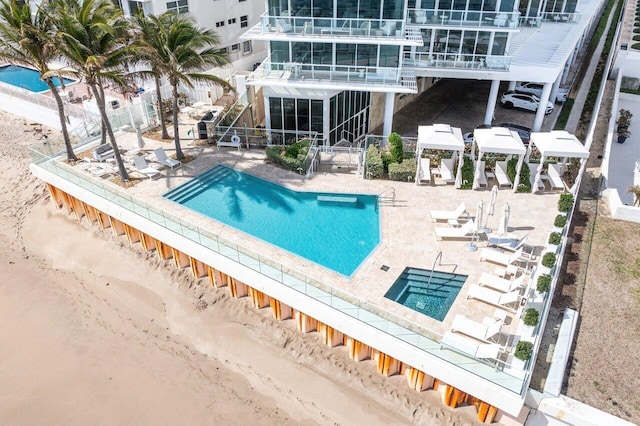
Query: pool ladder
x=391 y=196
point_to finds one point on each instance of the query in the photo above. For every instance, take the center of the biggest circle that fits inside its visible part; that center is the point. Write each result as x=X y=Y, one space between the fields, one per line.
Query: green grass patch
x=563 y=117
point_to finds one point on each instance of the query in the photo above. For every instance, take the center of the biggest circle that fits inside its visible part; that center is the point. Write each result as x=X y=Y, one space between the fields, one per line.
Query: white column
x=267 y=117
x=512 y=86
x=389 y=103
x=476 y=171
x=491 y=102
x=554 y=89
x=326 y=122
x=516 y=180
x=544 y=98
x=536 y=180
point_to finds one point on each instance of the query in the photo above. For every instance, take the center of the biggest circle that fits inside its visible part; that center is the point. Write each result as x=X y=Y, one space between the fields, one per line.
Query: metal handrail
x=392 y=190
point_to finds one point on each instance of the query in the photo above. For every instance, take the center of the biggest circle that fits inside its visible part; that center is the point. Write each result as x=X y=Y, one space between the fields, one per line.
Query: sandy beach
x=95 y=332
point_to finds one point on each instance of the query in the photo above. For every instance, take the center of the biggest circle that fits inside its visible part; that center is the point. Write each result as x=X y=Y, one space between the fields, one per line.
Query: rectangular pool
x=26 y=78
x=337 y=231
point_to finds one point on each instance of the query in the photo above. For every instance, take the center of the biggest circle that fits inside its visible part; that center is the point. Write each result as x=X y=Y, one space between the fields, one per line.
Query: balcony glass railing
x=351 y=27
x=558 y=17
x=463 y=18
x=362 y=310
x=351 y=74
x=457 y=61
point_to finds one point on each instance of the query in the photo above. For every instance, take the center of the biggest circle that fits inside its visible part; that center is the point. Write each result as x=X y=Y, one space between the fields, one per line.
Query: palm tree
x=635 y=190
x=187 y=50
x=94 y=38
x=151 y=42
x=27 y=40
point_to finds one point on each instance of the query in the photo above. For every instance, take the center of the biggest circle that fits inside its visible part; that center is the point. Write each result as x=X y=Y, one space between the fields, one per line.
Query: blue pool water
x=337 y=231
x=427 y=293
x=26 y=78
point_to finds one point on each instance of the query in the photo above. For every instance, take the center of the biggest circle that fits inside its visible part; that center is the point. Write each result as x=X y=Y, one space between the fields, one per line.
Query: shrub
x=375 y=168
x=636 y=45
x=523 y=350
x=565 y=203
x=549 y=260
x=560 y=221
x=386 y=160
x=404 y=172
x=467 y=174
x=555 y=238
x=291 y=157
x=544 y=283
x=525 y=183
x=397 y=152
x=531 y=317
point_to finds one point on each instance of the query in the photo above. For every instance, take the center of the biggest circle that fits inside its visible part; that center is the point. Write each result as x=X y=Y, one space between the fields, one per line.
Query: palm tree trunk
x=107 y=125
x=163 y=123
x=103 y=128
x=176 y=134
x=71 y=156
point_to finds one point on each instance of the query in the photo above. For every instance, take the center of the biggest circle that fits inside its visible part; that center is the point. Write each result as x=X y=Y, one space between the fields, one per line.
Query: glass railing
x=348 y=27
x=351 y=74
x=530 y=21
x=463 y=18
x=457 y=61
x=361 y=310
x=558 y=17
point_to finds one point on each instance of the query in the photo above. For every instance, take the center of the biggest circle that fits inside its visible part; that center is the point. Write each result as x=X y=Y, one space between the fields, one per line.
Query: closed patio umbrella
x=504 y=222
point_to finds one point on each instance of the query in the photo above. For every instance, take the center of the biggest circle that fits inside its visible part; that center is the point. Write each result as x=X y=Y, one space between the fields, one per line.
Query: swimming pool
x=429 y=292
x=337 y=231
x=26 y=78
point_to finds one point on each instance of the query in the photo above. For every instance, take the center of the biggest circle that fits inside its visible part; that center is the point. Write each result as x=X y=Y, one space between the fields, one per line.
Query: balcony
x=378 y=31
x=462 y=61
x=335 y=77
x=463 y=18
x=561 y=18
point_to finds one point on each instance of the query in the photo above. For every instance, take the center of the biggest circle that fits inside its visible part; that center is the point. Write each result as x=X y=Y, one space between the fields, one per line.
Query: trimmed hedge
x=544 y=283
x=404 y=172
x=560 y=221
x=396 y=150
x=548 y=260
x=375 y=168
x=292 y=157
x=525 y=173
x=565 y=203
x=635 y=46
x=523 y=350
x=467 y=174
x=531 y=317
x=555 y=238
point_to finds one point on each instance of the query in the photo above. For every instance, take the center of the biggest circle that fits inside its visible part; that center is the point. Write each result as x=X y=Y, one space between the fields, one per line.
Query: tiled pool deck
x=408 y=238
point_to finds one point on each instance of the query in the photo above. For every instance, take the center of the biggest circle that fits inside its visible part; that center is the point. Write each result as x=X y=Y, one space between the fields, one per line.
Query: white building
x=339 y=68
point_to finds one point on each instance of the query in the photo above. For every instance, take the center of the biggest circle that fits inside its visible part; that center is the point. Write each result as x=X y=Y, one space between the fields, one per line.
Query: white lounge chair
x=496 y=256
x=485 y=330
x=424 y=170
x=466 y=231
x=501 y=284
x=470 y=346
x=555 y=172
x=501 y=174
x=446 y=215
x=446 y=170
x=162 y=158
x=143 y=167
x=509 y=243
x=508 y=301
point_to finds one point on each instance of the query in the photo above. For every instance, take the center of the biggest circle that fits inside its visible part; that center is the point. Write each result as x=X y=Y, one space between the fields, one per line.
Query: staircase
x=183 y=193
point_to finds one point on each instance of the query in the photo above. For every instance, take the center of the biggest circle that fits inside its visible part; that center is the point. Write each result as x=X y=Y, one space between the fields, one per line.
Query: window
x=246 y=47
x=219 y=24
x=179 y=6
x=235 y=47
x=244 y=21
x=231 y=21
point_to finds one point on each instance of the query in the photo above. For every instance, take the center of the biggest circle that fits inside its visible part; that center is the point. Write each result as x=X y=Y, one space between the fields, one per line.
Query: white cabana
x=499 y=140
x=442 y=137
x=557 y=143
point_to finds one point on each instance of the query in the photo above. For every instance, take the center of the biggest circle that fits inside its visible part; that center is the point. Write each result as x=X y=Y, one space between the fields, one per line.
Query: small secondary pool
x=337 y=231
x=429 y=292
x=26 y=78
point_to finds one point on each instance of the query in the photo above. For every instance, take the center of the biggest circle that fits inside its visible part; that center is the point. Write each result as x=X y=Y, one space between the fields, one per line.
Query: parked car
x=524 y=101
x=536 y=89
x=523 y=131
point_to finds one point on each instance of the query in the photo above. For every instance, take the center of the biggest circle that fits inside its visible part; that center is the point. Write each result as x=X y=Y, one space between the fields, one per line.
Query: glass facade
x=348 y=116
x=370 y=55
x=363 y=9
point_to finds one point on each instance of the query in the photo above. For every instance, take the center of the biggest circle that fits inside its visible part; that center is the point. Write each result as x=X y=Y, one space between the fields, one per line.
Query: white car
x=536 y=89
x=523 y=101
